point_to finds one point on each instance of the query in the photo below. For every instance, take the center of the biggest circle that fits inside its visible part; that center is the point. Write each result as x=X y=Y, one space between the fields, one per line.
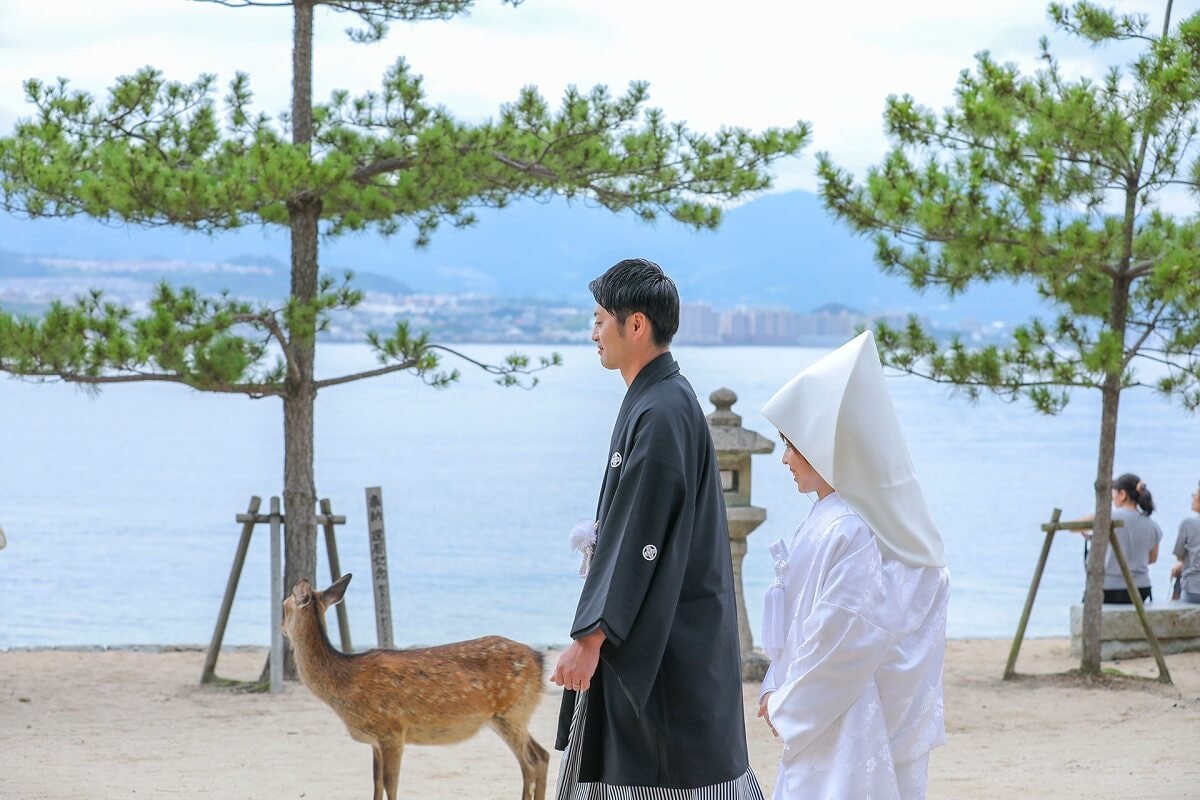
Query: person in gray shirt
x=1187 y=550
x=1138 y=535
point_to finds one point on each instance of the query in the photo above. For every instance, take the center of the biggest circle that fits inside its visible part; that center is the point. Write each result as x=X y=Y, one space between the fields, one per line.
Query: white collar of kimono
x=820 y=515
x=839 y=415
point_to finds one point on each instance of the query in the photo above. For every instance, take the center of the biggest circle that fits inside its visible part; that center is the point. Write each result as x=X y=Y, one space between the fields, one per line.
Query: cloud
x=758 y=63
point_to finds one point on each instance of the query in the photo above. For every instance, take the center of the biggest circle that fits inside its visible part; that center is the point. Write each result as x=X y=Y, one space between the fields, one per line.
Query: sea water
x=119 y=507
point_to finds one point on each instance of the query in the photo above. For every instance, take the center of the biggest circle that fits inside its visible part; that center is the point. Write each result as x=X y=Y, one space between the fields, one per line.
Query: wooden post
x=276 y=520
x=328 y=520
x=379 y=570
x=235 y=573
x=1010 y=670
x=276 y=599
x=1136 y=597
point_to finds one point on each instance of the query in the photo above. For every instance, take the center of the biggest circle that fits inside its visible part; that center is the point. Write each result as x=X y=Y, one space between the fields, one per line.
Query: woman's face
x=1196 y=501
x=807 y=479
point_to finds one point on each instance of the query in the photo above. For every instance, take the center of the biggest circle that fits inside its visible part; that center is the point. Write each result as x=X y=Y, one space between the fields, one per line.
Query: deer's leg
x=377 y=771
x=541 y=761
x=532 y=757
x=390 y=761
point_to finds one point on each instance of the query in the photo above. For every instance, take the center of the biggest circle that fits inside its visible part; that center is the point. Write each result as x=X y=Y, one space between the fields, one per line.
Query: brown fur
x=433 y=695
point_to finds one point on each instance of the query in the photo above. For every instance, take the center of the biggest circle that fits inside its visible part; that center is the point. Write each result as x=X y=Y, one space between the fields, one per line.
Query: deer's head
x=305 y=604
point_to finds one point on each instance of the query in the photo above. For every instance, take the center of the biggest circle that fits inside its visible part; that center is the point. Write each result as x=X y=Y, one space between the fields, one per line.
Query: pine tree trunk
x=1110 y=394
x=1102 y=525
x=299 y=485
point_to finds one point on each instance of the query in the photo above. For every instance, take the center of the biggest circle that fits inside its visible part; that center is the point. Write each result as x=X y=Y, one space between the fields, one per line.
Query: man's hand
x=577 y=664
x=1177 y=570
x=762 y=712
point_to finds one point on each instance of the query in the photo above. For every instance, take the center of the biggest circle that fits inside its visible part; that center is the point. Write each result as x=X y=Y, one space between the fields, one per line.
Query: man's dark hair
x=636 y=284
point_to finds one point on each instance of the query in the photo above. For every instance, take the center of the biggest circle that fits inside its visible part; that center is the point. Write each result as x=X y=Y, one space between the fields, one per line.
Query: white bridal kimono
x=856 y=691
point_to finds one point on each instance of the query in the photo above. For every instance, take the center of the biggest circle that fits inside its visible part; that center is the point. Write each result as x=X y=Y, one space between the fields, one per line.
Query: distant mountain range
x=780 y=250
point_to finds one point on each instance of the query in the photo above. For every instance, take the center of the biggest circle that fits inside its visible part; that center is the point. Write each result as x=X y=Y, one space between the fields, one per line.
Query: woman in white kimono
x=855 y=624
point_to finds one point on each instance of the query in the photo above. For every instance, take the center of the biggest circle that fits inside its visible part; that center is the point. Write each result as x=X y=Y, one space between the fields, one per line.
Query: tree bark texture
x=299 y=484
x=1102 y=525
x=1110 y=394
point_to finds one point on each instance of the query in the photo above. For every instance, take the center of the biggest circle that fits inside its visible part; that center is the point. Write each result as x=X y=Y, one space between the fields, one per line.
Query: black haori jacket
x=665 y=705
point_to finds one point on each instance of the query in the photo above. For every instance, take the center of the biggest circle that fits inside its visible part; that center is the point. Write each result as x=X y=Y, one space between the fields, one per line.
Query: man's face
x=609 y=336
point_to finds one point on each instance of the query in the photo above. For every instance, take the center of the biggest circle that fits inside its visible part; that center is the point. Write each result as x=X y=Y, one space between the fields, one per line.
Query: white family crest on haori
x=840 y=417
x=649 y=552
x=616 y=460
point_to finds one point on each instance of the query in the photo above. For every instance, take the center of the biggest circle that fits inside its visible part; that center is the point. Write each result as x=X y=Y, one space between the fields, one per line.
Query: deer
x=431 y=695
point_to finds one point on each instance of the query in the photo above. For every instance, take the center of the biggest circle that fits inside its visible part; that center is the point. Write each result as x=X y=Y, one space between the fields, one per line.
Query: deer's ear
x=302 y=594
x=334 y=594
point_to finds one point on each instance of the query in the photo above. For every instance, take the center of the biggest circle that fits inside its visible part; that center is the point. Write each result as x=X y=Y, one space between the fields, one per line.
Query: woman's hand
x=762 y=712
x=1177 y=571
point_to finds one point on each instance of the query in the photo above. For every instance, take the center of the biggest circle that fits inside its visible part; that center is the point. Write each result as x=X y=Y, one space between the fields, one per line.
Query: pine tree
x=162 y=152
x=1058 y=183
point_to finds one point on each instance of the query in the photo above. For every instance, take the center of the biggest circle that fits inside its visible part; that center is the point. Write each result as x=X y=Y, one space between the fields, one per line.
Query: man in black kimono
x=653 y=700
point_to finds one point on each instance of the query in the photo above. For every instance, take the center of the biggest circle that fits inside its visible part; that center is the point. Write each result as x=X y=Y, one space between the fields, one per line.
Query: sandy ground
x=122 y=724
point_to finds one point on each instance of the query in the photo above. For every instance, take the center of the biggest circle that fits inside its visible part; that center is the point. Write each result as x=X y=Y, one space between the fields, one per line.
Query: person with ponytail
x=1138 y=535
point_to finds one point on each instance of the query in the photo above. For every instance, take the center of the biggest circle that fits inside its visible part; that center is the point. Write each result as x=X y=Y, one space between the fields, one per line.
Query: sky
x=752 y=63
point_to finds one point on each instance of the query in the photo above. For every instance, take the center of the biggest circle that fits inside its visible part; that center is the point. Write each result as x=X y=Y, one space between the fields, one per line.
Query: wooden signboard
x=379 y=568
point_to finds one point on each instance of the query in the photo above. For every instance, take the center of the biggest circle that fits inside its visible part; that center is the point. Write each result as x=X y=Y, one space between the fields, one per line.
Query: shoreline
x=203 y=648
x=121 y=722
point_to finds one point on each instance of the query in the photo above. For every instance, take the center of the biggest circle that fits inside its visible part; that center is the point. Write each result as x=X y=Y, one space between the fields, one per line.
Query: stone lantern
x=735 y=445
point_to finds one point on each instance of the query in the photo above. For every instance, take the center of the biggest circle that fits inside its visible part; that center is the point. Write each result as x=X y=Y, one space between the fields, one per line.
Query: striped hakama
x=569 y=788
